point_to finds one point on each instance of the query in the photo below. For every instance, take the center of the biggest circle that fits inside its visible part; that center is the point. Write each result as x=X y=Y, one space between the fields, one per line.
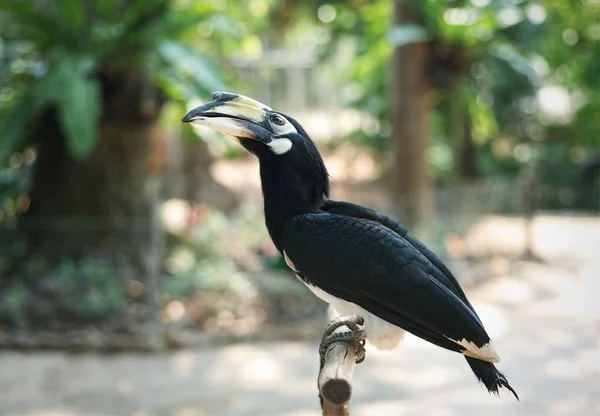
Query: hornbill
x=360 y=261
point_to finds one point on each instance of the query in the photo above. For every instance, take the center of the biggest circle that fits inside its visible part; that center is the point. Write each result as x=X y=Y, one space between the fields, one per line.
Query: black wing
x=357 y=211
x=364 y=262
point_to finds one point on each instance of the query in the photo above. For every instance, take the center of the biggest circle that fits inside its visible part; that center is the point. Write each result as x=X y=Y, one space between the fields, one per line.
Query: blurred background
x=138 y=242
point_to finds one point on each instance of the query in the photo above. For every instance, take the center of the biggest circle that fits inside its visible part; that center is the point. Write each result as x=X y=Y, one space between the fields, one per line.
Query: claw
x=351 y=321
x=359 y=346
x=355 y=336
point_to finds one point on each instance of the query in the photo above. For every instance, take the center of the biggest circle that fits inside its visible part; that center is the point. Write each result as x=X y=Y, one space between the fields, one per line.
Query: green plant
x=71 y=292
x=489 y=62
x=52 y=55
x=88 y=289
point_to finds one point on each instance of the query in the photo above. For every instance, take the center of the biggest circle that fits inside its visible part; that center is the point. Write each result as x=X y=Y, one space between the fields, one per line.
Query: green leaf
x=68 y=85
x=47 y=89
x=16 y=119
x=79 y=114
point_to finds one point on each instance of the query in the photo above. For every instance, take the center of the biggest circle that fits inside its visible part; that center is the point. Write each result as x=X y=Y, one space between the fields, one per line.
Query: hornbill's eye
x=278 y=120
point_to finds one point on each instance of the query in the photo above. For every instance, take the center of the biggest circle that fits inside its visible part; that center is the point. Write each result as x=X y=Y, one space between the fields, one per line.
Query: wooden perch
x=335 y=377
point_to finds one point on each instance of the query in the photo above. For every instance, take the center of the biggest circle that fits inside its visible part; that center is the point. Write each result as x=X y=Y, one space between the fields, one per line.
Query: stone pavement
x=545 y=322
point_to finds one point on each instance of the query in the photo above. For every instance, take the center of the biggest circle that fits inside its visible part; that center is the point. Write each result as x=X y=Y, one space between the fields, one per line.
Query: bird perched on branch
x=360 y=261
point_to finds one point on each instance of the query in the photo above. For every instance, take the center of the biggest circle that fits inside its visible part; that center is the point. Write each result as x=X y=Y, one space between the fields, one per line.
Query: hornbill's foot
x=355 y=336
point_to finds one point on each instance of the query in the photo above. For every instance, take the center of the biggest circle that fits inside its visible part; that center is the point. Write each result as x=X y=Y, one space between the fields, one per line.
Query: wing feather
x=357 y=211
x=363 y=262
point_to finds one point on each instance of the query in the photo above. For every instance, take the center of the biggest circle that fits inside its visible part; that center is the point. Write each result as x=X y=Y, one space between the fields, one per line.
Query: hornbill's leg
x=355 y=336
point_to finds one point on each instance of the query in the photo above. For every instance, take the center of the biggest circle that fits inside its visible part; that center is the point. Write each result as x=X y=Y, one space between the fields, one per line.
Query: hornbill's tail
x=489 y=375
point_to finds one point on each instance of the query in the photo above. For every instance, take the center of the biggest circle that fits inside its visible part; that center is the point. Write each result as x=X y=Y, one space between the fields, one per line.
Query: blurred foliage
x=219 y=273
x=51 y=54
x=201 y=255
x=525 y=74
x=520 y=78
x=72 y=291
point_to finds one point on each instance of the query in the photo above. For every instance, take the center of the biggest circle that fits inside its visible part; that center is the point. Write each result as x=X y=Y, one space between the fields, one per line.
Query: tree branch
x=335 y=377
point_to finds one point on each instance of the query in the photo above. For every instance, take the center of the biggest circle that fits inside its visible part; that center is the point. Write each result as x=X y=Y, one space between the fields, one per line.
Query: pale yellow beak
x=232 y=114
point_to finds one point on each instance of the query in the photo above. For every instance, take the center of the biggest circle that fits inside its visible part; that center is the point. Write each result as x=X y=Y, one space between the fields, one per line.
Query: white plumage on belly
x=380 y=333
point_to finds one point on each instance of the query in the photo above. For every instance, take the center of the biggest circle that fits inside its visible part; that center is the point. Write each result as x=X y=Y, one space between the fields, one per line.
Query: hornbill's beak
x=232 y=114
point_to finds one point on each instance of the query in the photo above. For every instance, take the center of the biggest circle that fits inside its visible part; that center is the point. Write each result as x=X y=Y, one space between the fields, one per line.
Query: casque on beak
x=232 y=114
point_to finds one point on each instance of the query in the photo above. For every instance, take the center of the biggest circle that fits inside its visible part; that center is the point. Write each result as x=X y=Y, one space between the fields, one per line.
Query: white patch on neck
x=280 y=146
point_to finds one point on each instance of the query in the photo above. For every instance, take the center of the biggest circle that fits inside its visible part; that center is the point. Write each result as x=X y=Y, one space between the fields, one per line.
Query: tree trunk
x=410 y=108
x=100 y=206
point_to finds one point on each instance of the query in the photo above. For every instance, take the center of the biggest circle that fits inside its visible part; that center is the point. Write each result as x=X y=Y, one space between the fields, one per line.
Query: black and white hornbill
x=356 y=259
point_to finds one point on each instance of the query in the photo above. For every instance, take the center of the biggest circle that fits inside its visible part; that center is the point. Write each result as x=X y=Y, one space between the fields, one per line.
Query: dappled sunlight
x=565 y=294
x=325 y=125
x=561 y=338
x=394 y=375
x=581 y=305
x=550 y=280
x=493 y=234
x=175 y=215
x=416 y=379
x=563 y=368
x=567 y=237
x=495 y=320
x=184 y=362
x=50 y=413
x=553 y=237
x=189 y=411
x=262 y=370
x=556 y=102
x=525 y=347
x=301 y=412
x=125 y=386
x=575 y=405
x=242 y=176
x=351 y=164
x=253 y=369
x=506 y=290
x=552 y=363
x=348 y=163
x=383 y=408
x=424 y=378
x=175 y=310
x=589 y=360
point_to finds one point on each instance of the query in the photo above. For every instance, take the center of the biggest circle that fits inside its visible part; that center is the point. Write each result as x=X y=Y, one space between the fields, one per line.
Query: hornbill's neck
x=291 y=187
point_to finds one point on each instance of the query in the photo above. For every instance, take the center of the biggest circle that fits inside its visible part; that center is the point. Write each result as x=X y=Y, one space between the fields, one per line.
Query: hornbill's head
x=289 y=159
x=260 y=130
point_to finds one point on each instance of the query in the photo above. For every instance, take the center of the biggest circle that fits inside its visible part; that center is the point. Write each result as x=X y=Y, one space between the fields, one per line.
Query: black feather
x=369 y=265
x=489 y=375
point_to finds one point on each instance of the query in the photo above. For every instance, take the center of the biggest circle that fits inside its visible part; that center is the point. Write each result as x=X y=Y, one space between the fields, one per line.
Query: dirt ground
x=543 y=317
